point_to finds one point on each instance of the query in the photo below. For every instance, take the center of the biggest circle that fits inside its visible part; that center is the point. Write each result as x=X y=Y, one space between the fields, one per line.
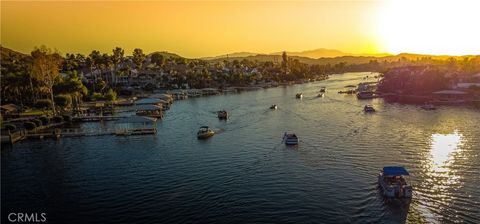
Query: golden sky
x=198 y=29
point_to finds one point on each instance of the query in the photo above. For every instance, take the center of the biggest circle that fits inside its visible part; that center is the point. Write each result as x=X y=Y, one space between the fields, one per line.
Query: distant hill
x=317 y=53
x=304 y=56
x=166 y=54
x=233 y=55
x=314 y=54
x=7 y=53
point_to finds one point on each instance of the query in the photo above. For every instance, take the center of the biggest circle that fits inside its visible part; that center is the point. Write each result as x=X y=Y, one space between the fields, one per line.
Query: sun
x=430 y=27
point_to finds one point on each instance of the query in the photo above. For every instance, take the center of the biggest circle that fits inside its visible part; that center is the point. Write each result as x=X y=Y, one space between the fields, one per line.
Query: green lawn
x=35 y=113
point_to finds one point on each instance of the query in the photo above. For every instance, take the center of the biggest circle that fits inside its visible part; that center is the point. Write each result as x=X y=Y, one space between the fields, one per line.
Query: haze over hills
x=315 y=54
x=301 y=56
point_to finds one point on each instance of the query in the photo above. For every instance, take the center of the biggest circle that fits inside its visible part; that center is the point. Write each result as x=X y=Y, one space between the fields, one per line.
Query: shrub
x=63 y=100
x=67 y=118
x=29 y=125
x=45 y=120
x=97 y=96
x=10 y=127
x=37 y=122
x=58 y=119
x=43 y=103
x=110 y=95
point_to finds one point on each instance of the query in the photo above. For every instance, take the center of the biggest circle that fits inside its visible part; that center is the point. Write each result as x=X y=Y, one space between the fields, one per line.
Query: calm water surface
x=245 y=175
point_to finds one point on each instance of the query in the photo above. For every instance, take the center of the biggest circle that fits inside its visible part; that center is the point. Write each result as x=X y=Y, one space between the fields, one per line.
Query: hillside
x=7 y=53
x=166 y=54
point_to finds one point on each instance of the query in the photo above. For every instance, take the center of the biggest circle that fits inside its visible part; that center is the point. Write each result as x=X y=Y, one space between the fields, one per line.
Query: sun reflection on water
x=441 y=173
x=443 y=147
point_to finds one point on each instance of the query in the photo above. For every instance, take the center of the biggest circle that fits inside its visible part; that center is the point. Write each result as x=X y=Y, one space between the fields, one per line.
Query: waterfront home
x=9 y=109
x=450 y=97
x=467 y=85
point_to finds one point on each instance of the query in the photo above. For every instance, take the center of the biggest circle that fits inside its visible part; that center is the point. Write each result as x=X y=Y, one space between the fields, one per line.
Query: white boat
x=321 y=95
x=299 y=95
x=323 y=89
x=205 y=132
x=290 y=139
x=368 y=109
x=428 y=106
x=393 y=184
x=273 y=107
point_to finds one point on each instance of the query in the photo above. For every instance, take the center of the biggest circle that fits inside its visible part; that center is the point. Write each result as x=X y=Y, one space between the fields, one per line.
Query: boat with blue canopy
x=392 y=181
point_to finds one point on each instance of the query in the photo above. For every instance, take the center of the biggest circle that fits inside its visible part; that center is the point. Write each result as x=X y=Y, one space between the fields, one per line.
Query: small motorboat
x=321 y=95
x=222 y=115
x=299 y=95
x=290 y=139
x=428 y=106
x=366 y=95
x=273 y=107
x=323 y=89
x=368 y=109
x=392 y=182
x=205 y=132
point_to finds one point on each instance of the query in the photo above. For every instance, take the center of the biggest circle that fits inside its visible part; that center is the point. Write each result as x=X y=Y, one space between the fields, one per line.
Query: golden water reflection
x=444 y=149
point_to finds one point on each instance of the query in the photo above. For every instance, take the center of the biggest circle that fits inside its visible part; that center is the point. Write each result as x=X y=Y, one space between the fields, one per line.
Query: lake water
x=244 y=174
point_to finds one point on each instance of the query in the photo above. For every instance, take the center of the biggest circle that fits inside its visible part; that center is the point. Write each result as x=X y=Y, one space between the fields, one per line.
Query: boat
x=368 y=109
x=350 y=91
x=323 y=89
x=299 y=95
x=428 y=106
x=321 y=95
x=205 y=132
x=392 y=182
x=366 y=95
x=222 y=114
x=273 y=107
x=290 y=139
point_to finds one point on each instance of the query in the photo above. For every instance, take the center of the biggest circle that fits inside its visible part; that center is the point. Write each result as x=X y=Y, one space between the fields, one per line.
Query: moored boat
x=428 y=106
x=299 y=95
x=323 y=89
x=205 y=132
x=368 y=109
x=290 y=139
x=393 y=184
x=321 y=95
x=366 y=95
x=273 y=107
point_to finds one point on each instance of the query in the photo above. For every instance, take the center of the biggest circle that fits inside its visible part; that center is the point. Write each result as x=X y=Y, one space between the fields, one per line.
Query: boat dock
x=12 y=138
x=97 y=118
x=65 y=133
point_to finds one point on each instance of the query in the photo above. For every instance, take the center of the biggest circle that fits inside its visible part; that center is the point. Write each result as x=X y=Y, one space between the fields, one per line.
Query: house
x=450 y=97
x=9 y=109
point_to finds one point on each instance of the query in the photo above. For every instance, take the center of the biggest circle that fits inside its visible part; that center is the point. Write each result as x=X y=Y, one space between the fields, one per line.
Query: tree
x=284 y=62
x=46 y=67
x=92 y=61
x=138 y=57
x=158 y=59
x=116 y=59
x=73 y=86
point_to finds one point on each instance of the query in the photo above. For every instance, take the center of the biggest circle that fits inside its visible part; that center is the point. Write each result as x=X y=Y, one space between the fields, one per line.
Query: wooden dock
x=12 y=138
x=97 y=118
x=62 y=133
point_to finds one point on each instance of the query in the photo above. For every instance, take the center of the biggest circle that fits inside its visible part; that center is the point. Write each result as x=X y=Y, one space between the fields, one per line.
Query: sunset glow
x=430 y=27
x=198 y=29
